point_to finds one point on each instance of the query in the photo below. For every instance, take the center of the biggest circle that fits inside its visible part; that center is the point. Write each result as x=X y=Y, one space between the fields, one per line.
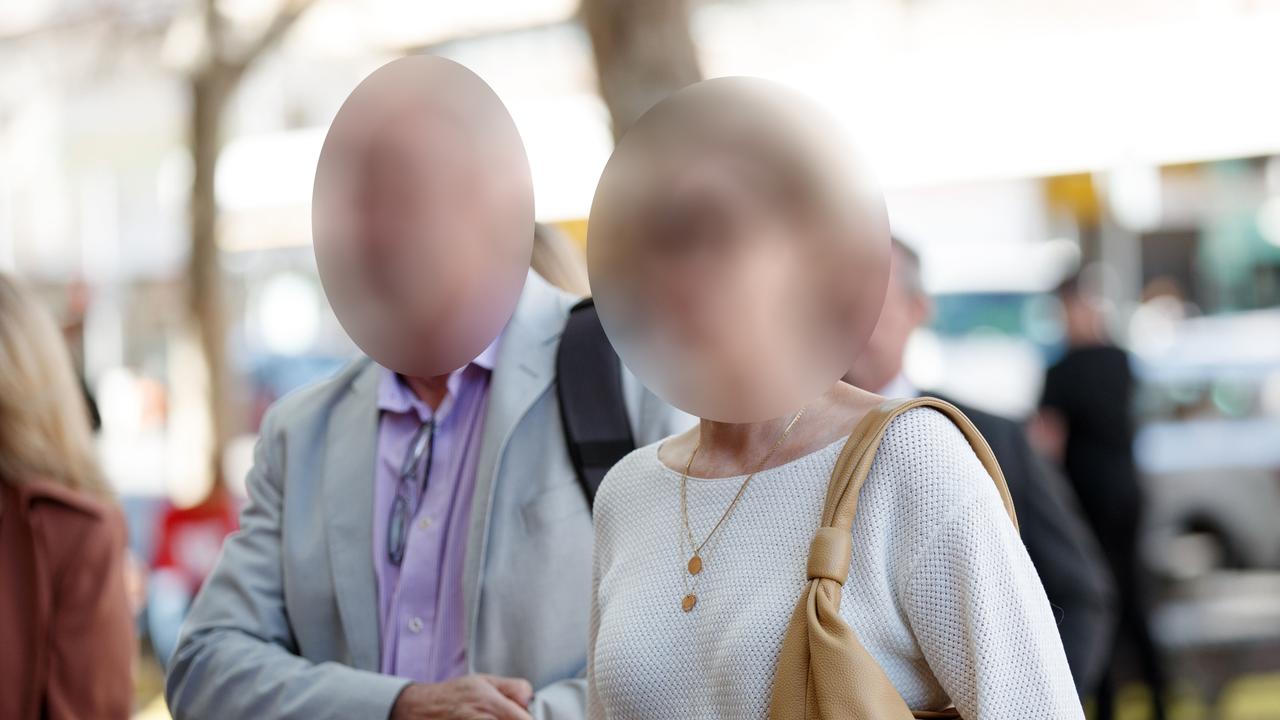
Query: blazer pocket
x=554 y=506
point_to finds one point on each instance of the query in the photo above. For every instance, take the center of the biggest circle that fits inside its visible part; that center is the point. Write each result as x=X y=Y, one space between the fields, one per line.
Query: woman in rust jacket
x=67 y=629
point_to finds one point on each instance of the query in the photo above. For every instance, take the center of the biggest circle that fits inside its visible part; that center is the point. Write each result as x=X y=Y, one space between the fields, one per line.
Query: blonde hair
x=44 y=420
x=557 y=260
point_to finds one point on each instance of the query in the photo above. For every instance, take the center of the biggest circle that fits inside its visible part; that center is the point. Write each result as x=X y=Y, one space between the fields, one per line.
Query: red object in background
x=188 y=539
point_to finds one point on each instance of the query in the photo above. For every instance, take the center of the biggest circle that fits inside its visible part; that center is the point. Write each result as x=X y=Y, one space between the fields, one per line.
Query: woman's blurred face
x=730 y=279
x=723 y=267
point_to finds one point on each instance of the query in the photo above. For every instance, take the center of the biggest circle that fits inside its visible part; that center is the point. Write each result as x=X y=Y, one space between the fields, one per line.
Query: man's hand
x=472 y=697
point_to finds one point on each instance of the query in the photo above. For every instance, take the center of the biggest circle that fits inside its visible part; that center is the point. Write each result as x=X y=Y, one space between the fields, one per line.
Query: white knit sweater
x=940 y=589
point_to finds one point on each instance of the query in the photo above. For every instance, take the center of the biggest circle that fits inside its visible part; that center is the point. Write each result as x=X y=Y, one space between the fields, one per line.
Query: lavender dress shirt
x=420 y=608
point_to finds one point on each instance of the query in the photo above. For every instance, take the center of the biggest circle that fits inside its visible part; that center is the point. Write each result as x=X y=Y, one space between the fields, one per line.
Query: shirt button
x=415 y=625
x=424 y=523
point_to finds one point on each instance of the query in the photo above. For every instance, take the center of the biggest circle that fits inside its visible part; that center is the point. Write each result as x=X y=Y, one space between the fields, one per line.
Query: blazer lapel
x=524 y=369
x=350 y=446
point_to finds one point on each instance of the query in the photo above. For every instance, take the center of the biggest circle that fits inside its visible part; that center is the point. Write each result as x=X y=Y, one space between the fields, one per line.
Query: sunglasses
x=407 y=500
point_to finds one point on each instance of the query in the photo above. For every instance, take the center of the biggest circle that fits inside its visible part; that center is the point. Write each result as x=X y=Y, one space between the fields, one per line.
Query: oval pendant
x=695 y=565
x=689 y=601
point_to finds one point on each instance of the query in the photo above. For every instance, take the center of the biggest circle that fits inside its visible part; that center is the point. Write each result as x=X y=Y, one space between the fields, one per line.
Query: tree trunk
x=211 y=87
x=643 y=50
x=206 y=311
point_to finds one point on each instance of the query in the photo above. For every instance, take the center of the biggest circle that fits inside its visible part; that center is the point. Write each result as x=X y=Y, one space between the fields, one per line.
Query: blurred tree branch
x=225 y=56
x=213 y=82
x=644 y=51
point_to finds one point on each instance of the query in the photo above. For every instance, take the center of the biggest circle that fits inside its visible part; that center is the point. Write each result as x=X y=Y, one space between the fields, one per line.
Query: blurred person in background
x=187 y=542
x=1086 y=423
x=64 y=614
x=73 y=331
x=1059 y=542
x=558 y=261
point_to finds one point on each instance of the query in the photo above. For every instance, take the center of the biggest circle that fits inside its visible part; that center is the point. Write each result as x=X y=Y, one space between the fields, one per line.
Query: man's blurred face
x=905 y=308
x=422 y=216
x=1082 y=315
x=404 y=206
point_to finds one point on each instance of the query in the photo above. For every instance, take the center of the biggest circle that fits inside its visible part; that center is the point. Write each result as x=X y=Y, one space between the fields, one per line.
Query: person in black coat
x=1059 y=541
x=1086 y=423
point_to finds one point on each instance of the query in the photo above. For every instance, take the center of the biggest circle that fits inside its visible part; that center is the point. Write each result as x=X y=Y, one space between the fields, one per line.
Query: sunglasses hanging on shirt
x=407 y=500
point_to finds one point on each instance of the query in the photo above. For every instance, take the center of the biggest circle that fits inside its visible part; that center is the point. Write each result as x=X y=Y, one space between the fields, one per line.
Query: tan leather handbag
x=824 y=672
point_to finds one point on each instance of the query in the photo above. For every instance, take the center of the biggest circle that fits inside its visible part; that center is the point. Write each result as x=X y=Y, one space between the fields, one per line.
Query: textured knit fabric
x=940 y=590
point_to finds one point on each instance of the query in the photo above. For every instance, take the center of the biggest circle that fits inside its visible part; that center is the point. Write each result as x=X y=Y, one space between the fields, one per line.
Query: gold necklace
x=695 y=565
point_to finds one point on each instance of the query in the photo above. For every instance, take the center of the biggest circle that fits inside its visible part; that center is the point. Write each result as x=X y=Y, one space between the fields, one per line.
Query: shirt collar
x=488 y=356
x=395 y=395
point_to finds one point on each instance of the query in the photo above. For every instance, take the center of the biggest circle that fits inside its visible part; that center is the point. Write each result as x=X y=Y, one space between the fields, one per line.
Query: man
x=416 y=542
x=1060 y=546
x=1086 y=422
x=289 y=623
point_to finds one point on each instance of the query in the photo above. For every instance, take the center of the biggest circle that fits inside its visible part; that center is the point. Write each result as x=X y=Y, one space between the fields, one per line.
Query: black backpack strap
x=592 y=405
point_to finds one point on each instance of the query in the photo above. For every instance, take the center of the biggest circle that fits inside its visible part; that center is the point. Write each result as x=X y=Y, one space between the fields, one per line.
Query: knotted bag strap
x=824 y=672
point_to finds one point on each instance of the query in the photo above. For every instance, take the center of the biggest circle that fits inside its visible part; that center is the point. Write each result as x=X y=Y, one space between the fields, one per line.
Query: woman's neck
x=735 y=449
x=740 y=439
x=728 y=449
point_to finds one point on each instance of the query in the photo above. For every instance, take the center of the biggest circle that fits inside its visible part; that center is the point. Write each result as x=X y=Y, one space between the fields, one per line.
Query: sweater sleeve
x=595 y=710
x=979 y=612
x=602 y=522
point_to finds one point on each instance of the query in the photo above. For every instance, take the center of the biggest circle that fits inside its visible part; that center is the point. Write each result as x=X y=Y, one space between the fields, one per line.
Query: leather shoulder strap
x=854 y=464
x=824 y=671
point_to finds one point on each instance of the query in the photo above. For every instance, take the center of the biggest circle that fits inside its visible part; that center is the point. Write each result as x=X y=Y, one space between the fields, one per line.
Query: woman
x=63 y=614
x=702 y=539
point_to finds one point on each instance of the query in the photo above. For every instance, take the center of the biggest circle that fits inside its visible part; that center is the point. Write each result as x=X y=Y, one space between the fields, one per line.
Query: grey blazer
x=287 y=624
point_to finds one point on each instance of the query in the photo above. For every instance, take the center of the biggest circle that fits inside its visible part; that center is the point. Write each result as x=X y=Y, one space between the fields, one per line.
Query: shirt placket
x=419 y=591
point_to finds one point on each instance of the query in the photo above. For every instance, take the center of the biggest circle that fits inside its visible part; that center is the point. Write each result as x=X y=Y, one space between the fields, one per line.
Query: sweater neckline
x=805 y=459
